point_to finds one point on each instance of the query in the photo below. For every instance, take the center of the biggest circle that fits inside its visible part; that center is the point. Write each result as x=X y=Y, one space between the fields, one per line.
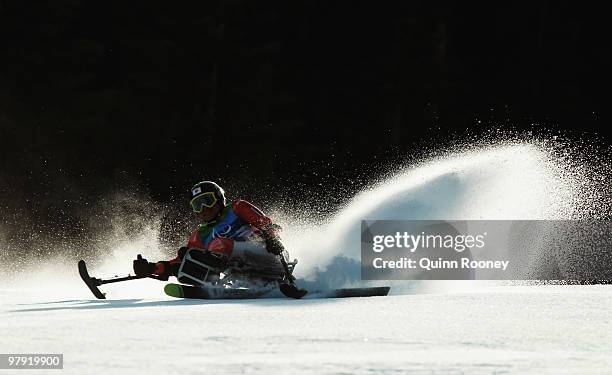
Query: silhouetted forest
x=272 y=97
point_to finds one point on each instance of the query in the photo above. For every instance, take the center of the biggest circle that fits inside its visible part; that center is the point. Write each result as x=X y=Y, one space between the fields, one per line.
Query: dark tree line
x=270 y=97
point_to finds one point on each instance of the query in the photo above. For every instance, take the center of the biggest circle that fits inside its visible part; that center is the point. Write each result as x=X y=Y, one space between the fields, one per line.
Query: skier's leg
x=255 y=255
x=200 y=267
x=255 y=250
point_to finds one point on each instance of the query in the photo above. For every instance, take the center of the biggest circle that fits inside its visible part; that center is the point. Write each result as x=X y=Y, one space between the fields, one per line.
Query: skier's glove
x=164 y=269
x=274 y=246
x=142 y=267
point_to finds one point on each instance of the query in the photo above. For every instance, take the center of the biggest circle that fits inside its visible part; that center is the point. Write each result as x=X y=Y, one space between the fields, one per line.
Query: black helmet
x=206 y=194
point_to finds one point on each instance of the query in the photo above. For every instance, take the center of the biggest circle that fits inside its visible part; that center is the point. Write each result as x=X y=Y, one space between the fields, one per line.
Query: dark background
x=291 y=99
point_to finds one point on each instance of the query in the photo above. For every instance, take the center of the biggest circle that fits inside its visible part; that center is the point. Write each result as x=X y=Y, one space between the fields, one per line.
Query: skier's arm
x=251 y=214
x=171 y=267
x=263 y=224
x=162 y=269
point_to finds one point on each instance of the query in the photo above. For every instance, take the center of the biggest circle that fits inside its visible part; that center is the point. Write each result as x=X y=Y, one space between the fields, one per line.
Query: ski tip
x=291 y=291
x=89 y=281
x=174 y=290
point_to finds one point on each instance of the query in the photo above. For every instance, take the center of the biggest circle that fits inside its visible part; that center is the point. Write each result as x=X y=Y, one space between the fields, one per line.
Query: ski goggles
x=207 y=200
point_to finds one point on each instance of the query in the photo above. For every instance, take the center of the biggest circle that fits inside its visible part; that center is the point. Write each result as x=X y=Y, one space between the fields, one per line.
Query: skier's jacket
x=239 y=220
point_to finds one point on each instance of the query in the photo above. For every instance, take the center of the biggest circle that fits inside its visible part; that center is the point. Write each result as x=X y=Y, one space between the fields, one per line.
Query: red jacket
x=241 y=219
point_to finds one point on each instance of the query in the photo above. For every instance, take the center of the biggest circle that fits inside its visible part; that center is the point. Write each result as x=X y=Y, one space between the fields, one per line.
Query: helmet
x=206 y=194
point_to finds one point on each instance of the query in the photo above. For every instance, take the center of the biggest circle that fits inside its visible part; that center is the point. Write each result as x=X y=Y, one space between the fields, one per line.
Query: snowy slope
x=546 y=329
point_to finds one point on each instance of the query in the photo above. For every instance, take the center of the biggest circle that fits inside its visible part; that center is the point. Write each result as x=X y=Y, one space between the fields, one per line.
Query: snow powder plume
x=122 y=226
x=133 y=225
x=513 y=180
x=516 y=180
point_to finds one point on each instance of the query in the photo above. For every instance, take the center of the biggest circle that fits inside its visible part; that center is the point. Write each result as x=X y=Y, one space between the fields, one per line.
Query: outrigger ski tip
x=91 y=282
x=292 y=291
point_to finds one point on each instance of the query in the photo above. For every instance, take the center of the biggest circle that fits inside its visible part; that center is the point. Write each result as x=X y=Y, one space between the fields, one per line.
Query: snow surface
x=501 y=329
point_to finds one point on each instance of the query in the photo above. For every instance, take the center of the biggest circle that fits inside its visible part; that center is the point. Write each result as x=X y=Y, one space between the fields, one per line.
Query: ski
x=188 y=291
x=378 y=291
